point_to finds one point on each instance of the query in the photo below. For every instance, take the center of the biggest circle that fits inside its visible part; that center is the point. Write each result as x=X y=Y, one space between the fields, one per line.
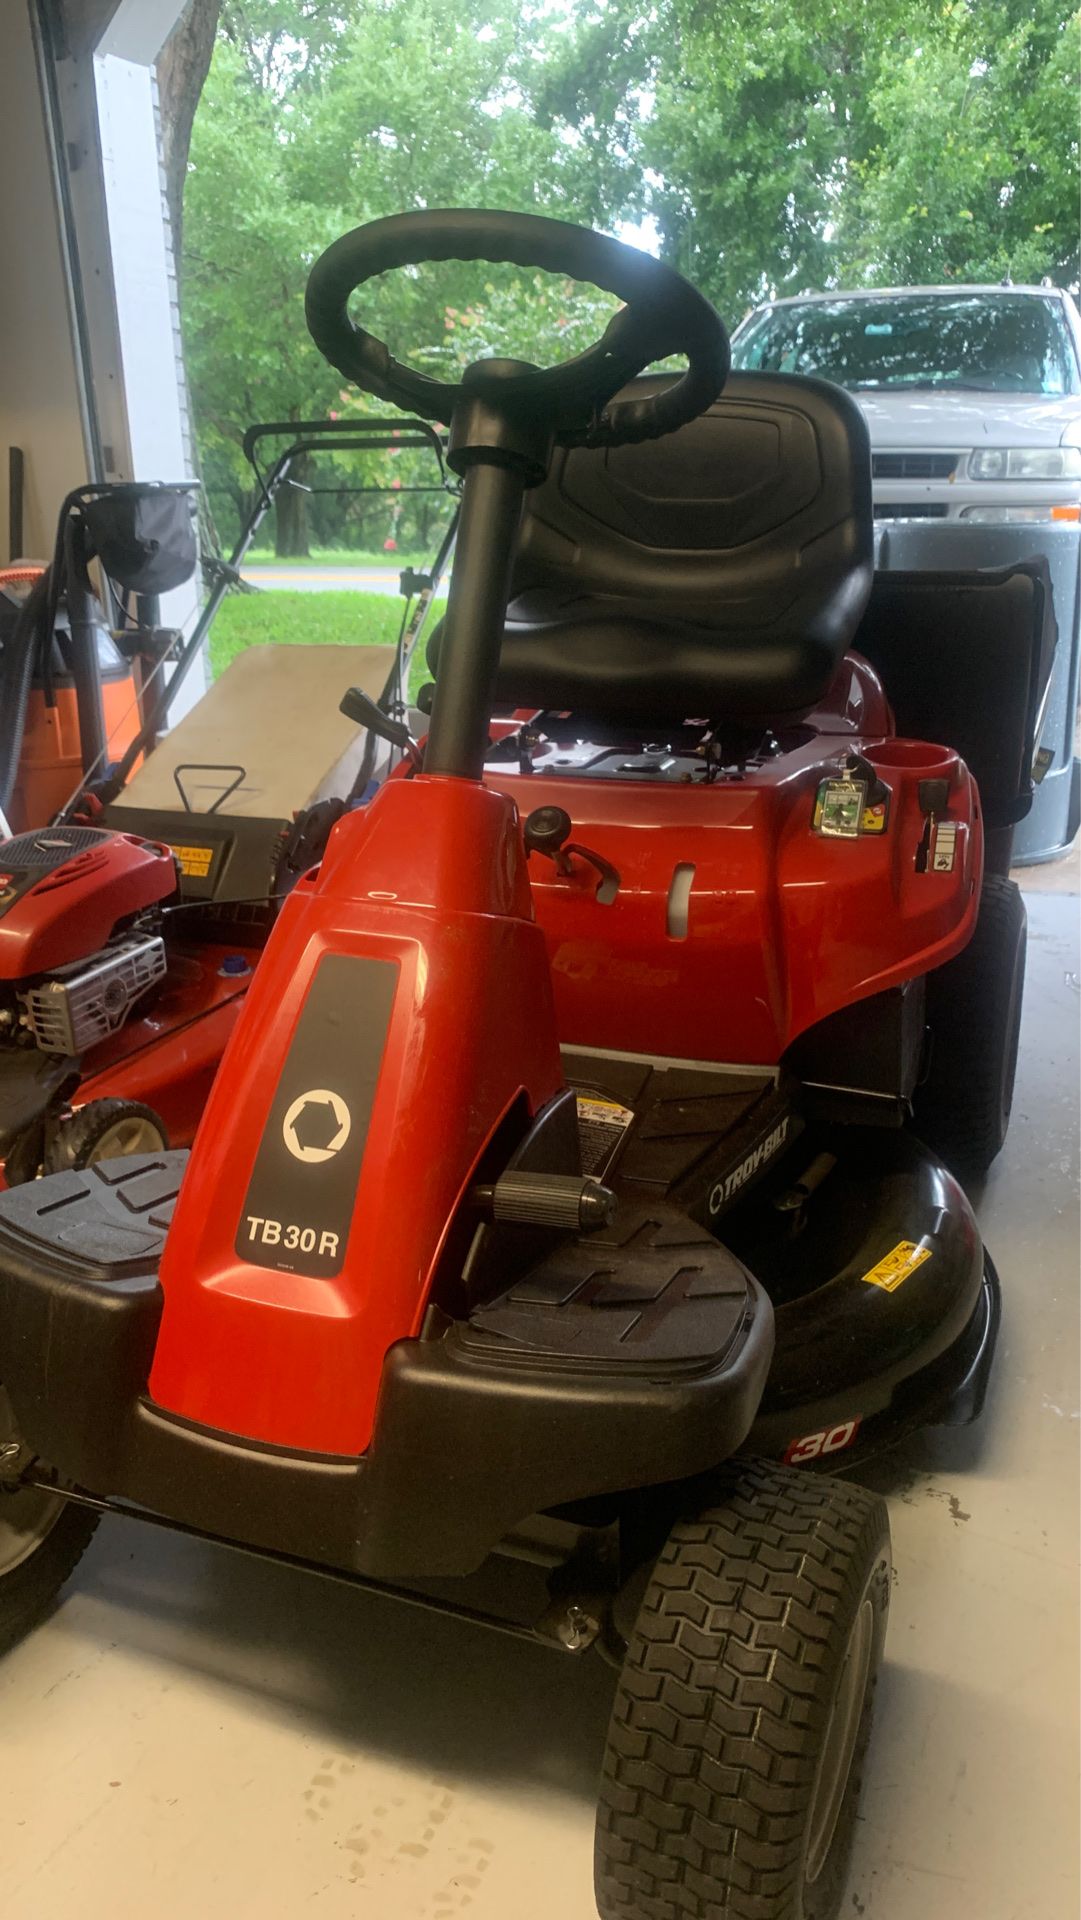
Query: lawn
x=281 y=618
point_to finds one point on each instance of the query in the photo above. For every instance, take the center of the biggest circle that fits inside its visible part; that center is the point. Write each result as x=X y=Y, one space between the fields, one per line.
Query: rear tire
x=963 y=1108
x=105 y=1130
x=736 y=1745
x=42 y=1539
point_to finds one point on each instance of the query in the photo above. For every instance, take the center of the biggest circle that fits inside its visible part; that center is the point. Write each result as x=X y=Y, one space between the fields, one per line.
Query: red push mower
x=130 y=924
x=558 y=1193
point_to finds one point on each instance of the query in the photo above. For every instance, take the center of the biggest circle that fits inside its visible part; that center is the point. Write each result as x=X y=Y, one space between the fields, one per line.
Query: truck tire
x=736 y=1745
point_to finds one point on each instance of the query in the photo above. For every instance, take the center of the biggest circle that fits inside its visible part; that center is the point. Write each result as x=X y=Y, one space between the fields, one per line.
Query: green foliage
x=316 y=117
x=776 y=149
x=974 y=174
x=848 y=142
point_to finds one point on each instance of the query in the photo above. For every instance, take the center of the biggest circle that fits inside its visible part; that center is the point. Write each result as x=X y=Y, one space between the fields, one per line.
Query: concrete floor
x=195 y=1735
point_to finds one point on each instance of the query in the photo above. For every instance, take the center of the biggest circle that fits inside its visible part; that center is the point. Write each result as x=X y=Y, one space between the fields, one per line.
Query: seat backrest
x=749 y=529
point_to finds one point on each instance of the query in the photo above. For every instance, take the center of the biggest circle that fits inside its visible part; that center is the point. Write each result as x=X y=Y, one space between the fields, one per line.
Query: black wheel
x=24 y=1156
x=42 y=1538
x=105 y=1130
x=736 y=1745
x=974 y=1016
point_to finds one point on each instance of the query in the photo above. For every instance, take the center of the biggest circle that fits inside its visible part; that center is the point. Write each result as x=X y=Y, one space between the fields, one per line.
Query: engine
x=78 y=939
x=79 y=1005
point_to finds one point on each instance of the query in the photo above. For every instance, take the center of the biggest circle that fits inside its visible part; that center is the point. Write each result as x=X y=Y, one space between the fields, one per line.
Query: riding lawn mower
x=561 y=1194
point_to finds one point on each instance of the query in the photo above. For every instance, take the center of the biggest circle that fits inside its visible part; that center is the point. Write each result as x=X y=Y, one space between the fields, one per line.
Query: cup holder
x=915 y=757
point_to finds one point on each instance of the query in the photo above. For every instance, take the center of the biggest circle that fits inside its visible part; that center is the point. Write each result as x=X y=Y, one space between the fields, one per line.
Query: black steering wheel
x=663 y=315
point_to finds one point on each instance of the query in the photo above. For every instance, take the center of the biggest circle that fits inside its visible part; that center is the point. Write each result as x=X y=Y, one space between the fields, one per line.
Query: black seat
x=719 y=572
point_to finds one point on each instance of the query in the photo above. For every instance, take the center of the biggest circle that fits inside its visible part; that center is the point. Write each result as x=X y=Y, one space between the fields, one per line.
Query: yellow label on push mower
x=194 y=862
x=893 y=1271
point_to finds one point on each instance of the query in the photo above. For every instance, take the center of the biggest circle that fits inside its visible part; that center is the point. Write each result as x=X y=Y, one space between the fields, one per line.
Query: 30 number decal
x=817 y=1446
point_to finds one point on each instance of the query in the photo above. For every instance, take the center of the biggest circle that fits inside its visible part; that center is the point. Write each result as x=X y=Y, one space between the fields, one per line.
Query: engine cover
x=64 y=891
x=88 y=1001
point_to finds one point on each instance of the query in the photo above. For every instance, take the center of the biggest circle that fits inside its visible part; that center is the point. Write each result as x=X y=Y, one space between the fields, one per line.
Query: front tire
x=42 y=1539
x=736 y=1745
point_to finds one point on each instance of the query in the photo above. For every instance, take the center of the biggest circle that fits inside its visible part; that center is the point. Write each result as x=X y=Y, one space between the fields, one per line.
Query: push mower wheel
x=974 y=1013
x=105 y=1130
x=42 y=1539
x=24 y=1157
x=736 y=1744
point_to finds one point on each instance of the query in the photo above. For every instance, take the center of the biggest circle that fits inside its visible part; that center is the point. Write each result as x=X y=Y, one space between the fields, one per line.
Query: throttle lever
x=547 y=829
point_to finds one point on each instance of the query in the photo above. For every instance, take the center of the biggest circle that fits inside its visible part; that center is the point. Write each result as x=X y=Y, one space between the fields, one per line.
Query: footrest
x=653 y=1290
x=80 y=1300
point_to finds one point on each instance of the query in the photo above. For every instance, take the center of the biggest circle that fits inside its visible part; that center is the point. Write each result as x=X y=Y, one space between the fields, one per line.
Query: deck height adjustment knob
x=565 y=1200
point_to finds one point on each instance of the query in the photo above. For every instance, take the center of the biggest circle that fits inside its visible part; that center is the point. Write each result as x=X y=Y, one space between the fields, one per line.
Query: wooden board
x=275 y=713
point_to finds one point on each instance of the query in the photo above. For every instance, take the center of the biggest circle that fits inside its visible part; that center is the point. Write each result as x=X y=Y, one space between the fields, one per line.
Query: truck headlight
x=1025 y=463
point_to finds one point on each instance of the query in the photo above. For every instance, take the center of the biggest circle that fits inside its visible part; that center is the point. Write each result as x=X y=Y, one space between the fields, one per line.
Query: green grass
x=282 y=618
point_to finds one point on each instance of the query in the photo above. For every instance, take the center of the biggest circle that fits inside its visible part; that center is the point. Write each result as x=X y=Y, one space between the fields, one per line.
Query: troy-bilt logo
x=818 y=1446
x=316 y=1126
x=765 y=1150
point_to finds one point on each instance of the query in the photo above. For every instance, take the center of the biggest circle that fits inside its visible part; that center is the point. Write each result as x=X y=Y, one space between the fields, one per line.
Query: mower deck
x=644 y=1349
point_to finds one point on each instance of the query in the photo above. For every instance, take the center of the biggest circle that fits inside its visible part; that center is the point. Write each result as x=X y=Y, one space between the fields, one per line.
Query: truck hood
x=926 y=417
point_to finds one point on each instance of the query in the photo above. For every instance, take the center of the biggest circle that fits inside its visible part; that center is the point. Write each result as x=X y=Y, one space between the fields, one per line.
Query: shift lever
x=360 y=707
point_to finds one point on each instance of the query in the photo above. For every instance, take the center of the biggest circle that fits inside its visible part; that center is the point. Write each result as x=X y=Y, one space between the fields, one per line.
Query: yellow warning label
x=593 y=1107
x=894 y=1270
x=602 y=1124
x=194 y=862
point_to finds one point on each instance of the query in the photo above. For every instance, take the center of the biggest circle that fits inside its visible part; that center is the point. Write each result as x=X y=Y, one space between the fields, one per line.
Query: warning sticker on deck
x=893 y=1271
x=602 y=1122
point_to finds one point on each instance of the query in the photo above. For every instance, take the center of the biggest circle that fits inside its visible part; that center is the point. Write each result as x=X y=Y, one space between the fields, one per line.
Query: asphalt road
x=323 y=579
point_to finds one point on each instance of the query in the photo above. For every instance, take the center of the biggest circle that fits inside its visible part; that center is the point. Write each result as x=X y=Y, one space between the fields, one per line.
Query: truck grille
x=913 y=466
x=910 y=510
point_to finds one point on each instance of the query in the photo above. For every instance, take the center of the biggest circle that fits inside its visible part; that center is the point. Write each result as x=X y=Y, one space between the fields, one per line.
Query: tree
x=781 y=149
x=975 y=172
x=182 y=67
x=317 y=118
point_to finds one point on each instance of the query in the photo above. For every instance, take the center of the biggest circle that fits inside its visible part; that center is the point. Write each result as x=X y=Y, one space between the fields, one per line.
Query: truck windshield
x=993 y=342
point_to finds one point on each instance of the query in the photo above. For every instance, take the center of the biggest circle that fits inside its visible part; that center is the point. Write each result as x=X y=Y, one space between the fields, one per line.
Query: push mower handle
x=663 y=315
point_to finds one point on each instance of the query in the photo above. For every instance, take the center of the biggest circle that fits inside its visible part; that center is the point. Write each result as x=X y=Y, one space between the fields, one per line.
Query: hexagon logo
x=316 y=1126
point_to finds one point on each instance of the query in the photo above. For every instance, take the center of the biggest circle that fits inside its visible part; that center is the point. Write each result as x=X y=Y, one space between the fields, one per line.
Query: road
x=317 y=578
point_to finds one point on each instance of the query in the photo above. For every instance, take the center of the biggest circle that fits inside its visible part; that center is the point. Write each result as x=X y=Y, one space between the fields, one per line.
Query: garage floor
x=193 y=1734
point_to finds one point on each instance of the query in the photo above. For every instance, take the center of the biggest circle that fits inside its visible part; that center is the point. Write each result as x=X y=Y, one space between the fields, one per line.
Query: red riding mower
x=130 y=925
x=556 y=1190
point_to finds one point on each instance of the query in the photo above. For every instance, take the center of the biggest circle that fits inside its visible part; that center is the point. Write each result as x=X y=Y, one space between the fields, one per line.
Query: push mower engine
x=80 y=945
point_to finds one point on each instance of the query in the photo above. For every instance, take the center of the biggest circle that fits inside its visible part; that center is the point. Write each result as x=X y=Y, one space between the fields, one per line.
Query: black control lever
x=574 y=1202
x=360 y=707
x=547 y=829
x=934 y=799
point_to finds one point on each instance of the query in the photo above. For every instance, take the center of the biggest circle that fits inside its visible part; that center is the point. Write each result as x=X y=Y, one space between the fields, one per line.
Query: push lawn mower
x=556 y=1192
x=130 y=926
